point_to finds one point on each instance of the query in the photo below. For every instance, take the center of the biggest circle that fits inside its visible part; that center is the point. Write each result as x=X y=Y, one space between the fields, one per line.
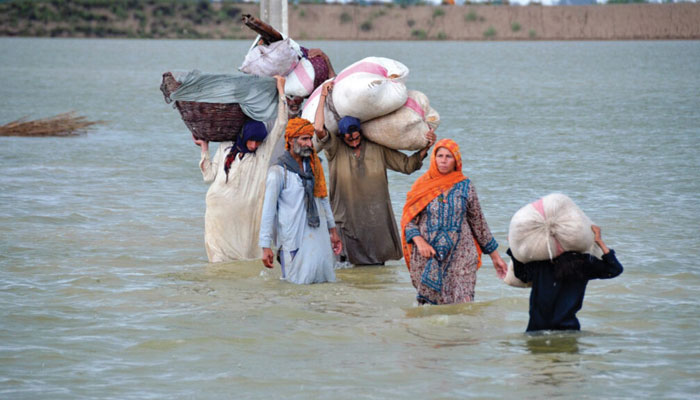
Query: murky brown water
x=105 y=291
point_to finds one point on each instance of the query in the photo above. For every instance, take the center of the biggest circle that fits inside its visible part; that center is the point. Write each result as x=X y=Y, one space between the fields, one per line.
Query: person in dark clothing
x=558 y=286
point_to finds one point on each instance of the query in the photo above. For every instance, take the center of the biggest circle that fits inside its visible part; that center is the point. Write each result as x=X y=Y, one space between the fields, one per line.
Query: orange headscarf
x=297 y=127
x=426 y=188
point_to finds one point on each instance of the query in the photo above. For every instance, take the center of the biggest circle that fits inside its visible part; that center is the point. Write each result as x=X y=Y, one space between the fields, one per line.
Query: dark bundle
x=213 y=122
x=66 y=124
x=267 y=33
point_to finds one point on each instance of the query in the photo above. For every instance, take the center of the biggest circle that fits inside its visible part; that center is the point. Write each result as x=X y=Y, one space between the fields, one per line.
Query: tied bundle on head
x=548 y=227
x=297 y=127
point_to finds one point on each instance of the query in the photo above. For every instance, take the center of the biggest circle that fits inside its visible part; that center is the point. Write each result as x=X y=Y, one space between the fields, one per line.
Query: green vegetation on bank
x=121 y=18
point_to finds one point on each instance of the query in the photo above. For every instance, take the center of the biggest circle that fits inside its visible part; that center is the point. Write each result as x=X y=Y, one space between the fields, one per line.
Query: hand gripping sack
x=367 y=89
x=548 y=227
x=405 y=128
x=310 y=106
x=277 y=58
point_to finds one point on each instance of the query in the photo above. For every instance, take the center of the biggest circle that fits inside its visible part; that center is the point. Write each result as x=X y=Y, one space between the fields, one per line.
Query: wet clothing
x=306 y=252
x=359 y=193
x=453 y=225
x=554 y=301
x=234 y=205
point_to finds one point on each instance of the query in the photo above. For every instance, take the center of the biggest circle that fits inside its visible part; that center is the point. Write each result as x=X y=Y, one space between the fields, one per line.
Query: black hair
x=569 y=267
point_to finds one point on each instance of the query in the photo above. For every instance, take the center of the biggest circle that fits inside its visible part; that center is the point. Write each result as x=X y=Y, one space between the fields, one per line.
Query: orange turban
x=429 y=186
x=298 y=127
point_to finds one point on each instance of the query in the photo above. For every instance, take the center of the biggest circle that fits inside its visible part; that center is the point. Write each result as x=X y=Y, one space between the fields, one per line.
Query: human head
x=349 y=128
x=442 y=148
x=298 y=137
x=252 y=135
x=252 y=145
x=294 y=106
x=445 y=160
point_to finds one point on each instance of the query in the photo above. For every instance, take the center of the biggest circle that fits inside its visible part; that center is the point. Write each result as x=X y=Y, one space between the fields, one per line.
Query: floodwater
x=105 y=290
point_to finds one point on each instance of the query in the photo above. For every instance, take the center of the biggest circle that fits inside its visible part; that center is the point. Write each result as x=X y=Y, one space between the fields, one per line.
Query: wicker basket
x=213 y=122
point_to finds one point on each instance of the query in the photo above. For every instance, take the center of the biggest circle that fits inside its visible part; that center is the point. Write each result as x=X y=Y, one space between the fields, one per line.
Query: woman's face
x=445 y=161
x=252 y=145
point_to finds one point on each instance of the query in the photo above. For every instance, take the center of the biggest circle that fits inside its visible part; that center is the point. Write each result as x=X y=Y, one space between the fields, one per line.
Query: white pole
x=274 y=12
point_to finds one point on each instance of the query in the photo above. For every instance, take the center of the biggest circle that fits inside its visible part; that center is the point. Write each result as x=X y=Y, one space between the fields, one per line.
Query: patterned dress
x=451 y=224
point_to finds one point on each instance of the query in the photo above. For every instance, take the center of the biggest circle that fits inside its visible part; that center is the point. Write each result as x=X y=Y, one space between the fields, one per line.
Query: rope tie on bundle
x=549 y=229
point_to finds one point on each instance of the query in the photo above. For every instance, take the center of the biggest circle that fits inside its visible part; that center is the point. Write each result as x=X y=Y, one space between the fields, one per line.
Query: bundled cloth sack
x=405 y=128
x=544 y=229
x=215 y=107
x=367 y=89
x=277 y=58
x=286 y=58
x=300 y=82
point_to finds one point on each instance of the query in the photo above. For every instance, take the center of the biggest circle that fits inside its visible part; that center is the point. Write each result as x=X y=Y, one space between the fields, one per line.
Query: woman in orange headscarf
x=445 y=232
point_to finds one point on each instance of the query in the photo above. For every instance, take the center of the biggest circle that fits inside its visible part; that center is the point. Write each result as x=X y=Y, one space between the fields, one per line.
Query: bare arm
x=319 y=119
x=599 y=239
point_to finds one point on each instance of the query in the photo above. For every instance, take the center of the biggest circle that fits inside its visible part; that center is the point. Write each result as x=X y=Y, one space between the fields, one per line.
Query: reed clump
x=66 y=124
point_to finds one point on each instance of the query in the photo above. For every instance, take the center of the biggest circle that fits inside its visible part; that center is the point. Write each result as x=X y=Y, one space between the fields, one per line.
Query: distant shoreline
x=162 y=19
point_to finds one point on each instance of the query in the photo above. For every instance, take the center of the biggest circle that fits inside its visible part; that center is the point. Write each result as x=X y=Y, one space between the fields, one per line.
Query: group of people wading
x=313 y=226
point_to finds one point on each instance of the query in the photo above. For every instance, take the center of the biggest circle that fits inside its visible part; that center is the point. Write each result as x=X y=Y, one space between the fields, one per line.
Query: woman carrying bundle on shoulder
x=445 y=232
x=558 y=285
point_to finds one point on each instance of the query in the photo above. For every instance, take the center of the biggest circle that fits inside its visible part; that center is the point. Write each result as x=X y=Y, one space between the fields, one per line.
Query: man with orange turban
x=296 y=207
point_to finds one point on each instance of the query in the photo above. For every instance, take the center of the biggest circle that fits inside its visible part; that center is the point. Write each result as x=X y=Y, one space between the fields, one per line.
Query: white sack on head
x=300 y=82
x=405 y=128
x=367 y=89
x=512 y=280
x=544 y=229
x=277 y=58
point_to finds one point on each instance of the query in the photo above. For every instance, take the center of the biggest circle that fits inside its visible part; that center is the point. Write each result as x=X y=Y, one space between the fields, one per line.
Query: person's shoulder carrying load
x=374 y=91
x=548 y=227
x=216 y=106
x=273 y=54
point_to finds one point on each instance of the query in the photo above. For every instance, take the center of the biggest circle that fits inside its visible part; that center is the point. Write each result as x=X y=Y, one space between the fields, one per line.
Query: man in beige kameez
x=359 y=188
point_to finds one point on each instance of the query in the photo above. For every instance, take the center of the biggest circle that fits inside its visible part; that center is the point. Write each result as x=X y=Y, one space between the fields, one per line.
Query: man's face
x=353 y=139
x=303 y=146
x=294 y=106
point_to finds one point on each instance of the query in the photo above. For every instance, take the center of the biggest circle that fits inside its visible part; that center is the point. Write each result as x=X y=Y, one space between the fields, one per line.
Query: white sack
x=367 y=89
x=512 y=280
x=300 y=82
x=370 y=88
x=405 y=128
x=277 y=58
x=548 y=227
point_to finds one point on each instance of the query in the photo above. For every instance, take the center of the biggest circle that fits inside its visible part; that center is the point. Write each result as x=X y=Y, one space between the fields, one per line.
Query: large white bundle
x=300 y=82
x=367 y=89
x=277 y=58
x=548 y=227
x=405 y=128
x=370 y=88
